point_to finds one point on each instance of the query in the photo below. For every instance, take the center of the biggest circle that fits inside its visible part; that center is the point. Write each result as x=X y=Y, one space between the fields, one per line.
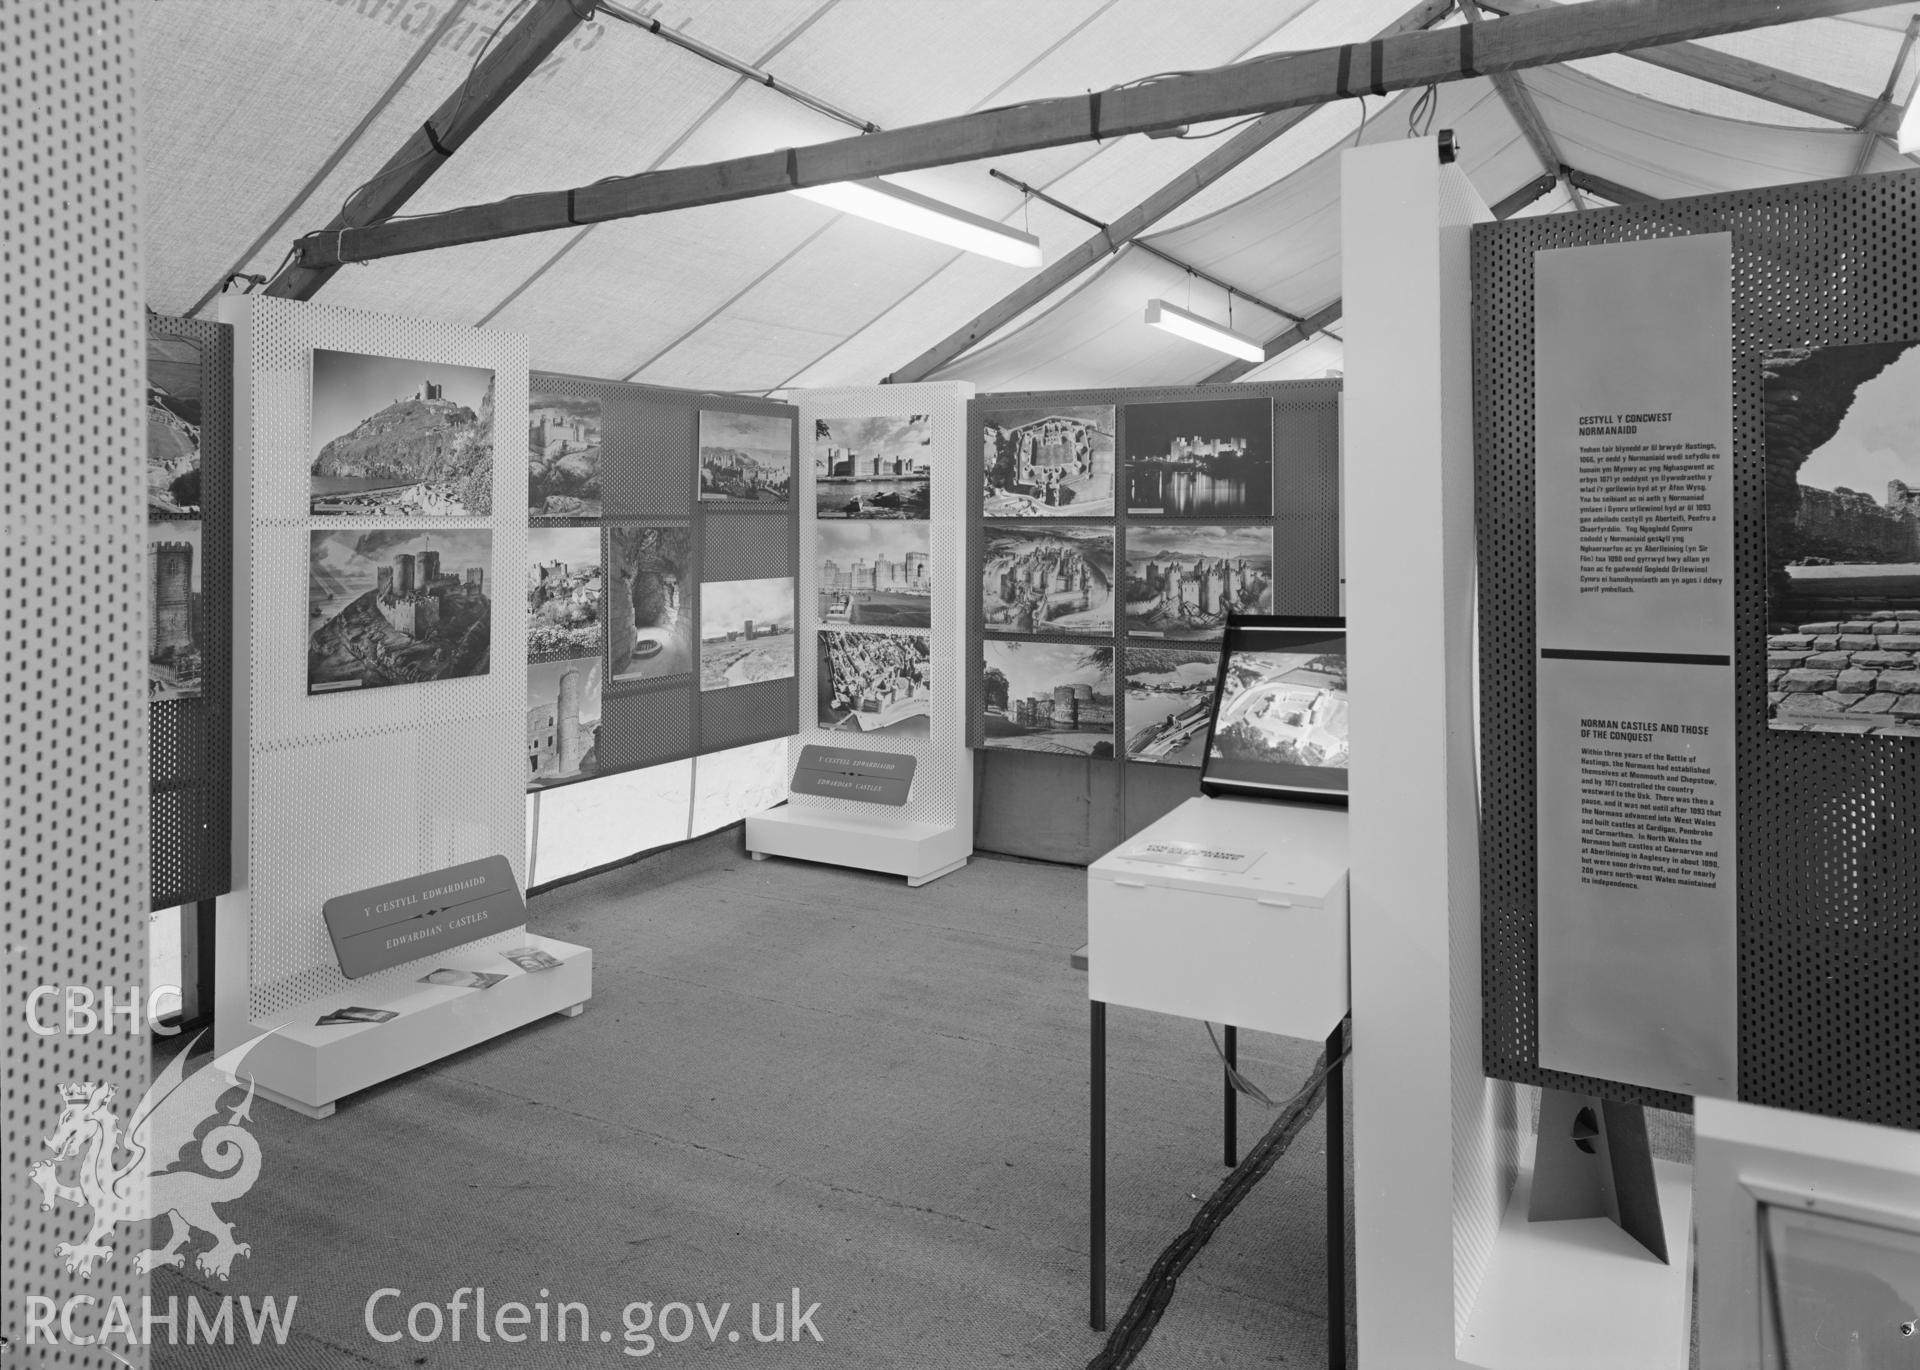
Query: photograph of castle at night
x=400 y=437
x=563 y=592
x=746 y=456
x=176 y=621
x=173 y=427
x=873 y=468
x=397 y=607
x=1181 y=582
x=648 y=607
x=875 y=682
x=1169 y=703
x=1209 y=458
x=873 y=574
x=563 y=722
x=1040 y=463
x=1843 y=568
x=1047 y=579
x=746 y=632
x=563 y=455
x=1048 y=697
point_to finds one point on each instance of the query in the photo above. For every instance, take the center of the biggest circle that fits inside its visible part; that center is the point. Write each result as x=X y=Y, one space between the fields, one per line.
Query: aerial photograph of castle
x=175 y=613
x=873 y=468
x=563 y=722
x=564 y=584
x=1048 y=697
x=1843 y=564
x=1047 y=579
x=1169 y=702
x=563 y=455
x=873 y=574
x=745 y=456
x=746 y=631
x=875 y=682
x=173 y=427
x=400 y=437
x=397 y=607
x=1040 y=463
x=1211 y=458
x=648 y=609
x=1181 y=582
x=1285 y=708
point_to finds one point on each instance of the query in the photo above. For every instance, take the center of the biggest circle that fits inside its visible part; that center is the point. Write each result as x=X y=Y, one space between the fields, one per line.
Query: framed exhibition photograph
x=873 y=573
x=875 y=682
x=1200 y=458
x=1279 y=724
x=563 y=455
x=648 y=607
x=1048 y=697
x=1048 y=463
x=564 y=592
x=1047 y=578
x=1181 y=582
x=745 y=457
x=746 y=631
x=397 y=607
x=1169 y=693
x=873 y=468
x=392 y=436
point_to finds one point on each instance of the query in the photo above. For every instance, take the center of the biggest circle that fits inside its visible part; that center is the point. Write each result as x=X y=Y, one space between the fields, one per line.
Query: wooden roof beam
x=1526 y=113
x=1870 y=138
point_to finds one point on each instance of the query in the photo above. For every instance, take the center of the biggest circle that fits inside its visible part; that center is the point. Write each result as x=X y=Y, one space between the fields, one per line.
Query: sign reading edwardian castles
x=844 y=773
x=389 y=925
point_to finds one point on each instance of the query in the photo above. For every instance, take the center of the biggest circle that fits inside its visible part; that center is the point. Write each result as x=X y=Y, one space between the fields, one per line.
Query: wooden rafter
x=1525 y=111
x=1869 y=138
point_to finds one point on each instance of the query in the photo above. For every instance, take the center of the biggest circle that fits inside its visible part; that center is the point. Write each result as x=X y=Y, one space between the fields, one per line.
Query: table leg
x=1097 y=1155
x=1231 y=1154
x=1336 y=1206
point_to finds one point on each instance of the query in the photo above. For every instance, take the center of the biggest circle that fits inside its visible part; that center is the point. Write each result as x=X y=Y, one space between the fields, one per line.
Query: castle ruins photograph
x=400 y=437
x=563 y=455
x=1048 y=697
x=874 y=573
x=1182 y=582
x=173 y=427
x=746 y=631
x=563 y=722
x=564 y=592
x=873 y=468
x=648 y=606
x=745 y=456
x=1047 y=579
x=398 y=607
x=875 y=682
x=1045 y=463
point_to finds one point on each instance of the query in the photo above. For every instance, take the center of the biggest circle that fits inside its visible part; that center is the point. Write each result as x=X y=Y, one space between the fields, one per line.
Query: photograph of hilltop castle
x=175 y=611
x=563 y=722
x=1169 y=702
x=746 y=632
x=745 y=456
x=400 y=437
x=1041 y=463
x=173 y=427
x=563 y=455
x=873 y=574
x=1211 y=458
x=648 y=607
x=564 y=584
x=1181 y=582
x=873 y=468
x=397 y=607
x=875 y=682
x=1048 y=697
x=1843 y=563
x=1047 y=579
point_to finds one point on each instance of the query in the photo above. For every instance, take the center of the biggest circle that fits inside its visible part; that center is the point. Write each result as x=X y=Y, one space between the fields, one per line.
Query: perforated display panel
x=648 y=467
x=1829 y=864
x=74 y=882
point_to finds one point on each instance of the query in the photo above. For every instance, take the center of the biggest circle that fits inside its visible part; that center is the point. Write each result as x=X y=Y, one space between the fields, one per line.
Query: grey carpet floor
x=793 y=1077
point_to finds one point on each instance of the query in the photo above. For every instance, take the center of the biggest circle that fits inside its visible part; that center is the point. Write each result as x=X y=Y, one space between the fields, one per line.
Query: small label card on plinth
x=849 y=773
x=390 y=924
x=1193 y=856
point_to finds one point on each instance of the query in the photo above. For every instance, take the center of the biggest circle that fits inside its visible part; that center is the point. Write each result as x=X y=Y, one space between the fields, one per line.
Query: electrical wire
x=1420 y=118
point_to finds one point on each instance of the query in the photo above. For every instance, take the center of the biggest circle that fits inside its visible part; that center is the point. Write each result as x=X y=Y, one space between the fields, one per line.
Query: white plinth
x=881 y=842
x=1262 y=948
x=309 y=1068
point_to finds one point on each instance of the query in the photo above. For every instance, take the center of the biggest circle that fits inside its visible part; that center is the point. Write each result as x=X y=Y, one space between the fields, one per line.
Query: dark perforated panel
x=645 y=729
x=742 y=546
x=749 y=713
x=1829 y=864
x=649 y=464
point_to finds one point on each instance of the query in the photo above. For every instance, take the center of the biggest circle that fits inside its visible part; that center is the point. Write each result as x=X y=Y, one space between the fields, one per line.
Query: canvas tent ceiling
x=261 y=118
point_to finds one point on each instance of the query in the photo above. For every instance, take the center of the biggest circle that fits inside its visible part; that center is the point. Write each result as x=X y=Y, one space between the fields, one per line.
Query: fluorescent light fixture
x=1908 y=138
x=1205 y=331
x=897 y=207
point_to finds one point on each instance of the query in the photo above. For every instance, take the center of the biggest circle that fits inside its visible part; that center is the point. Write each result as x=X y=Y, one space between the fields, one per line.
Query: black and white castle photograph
x=400 y=437
x=398 y=607
x=745 y=456
x=563 y=455
x=873 y=468
x=1047 y=579
x=1169 y=703
x=173 y=427
x=873 y=573
x=1843 y=539
x=564 y=592
x=176 y=625
x=746 y=631
x=563 y=722
x=1181 y=582
x=1288 y=708
x=875 y=683
x=1048 y=463
x=1207 y=458
x=1048 y=697
x=648 y=608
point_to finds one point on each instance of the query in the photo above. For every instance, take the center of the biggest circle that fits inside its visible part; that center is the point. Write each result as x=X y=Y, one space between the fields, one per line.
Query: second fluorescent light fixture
x=897 y=207
x=1192 y=327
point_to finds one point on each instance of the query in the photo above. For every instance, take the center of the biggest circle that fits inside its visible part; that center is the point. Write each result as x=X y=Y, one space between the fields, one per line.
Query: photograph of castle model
x=397 y=607
x=563 y=722
x=173 y=427
x=1040 y=463
x=873 y=468
x=1843 y=565
x=746 y=632
x=563 y=455
x=1169 y=703
x=1047 y=579
x=873 y=574
x=1047 y=697
x=400 y=437
x=746 y=456
x=175 y=611
x=1284 y=709
x=1182 y=582
x=649 y=608
x=1209 y=458
x=564 y=585
x=875 y=682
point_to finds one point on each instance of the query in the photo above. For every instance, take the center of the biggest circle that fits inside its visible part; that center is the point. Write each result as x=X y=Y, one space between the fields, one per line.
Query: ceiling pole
x=516 y=56
x=1869 y=138
x=1280 y=81
x=1526 y=113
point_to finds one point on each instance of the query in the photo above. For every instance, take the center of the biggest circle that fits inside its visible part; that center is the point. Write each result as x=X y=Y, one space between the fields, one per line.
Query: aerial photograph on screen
x=563 y=592
x=1048 y=697
x=400 y=437
x=1210 y=458
x=173 y=426
x=746 y=631
x=745 y=456
x=1846 y=1293
x=648 y=607
x=873 y=573
x=873 y=468
x=1284 y=708
x=1181 y=582
x=176 y=616
x=397 y=607
x=563 y=455
x=1843 y=538
x=1045 y=463
x=875 y=683
x=1047 y=579
x=1169 y=700
x=563 y=722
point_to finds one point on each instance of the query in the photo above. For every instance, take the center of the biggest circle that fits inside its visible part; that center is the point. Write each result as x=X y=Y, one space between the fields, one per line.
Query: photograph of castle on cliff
x=875 y=682
x=397 y=607
x=1843 y=565
x=563 y=592
x=563 y=455
x=1181 y=582
x=746 y=456
x=873 y=468
x=400 y=437
x=1042 y=463
x=1212 y=458
x=746 y=631
x=173 y=427
x=1169 y=702
x=563 y=722
x=648 y=607
x=1047 y=579
x=1048 y=697
x=873 y=574
x=175 y=621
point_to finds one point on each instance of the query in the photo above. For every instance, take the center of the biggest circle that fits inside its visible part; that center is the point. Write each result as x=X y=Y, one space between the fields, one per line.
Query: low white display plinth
x=919 y=851
x=309 y=1068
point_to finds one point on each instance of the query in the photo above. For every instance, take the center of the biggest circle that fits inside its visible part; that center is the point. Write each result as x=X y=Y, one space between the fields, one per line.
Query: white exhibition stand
x=861 y=841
